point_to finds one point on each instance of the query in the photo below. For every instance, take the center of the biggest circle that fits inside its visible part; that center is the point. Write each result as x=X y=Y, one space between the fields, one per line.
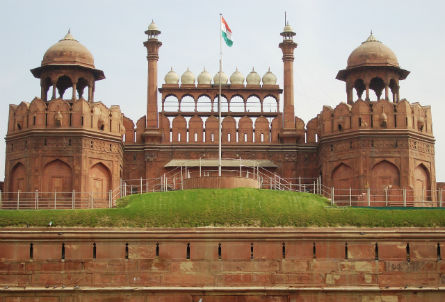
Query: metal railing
x=56 y=200
x=388 y=197
x=174 y=180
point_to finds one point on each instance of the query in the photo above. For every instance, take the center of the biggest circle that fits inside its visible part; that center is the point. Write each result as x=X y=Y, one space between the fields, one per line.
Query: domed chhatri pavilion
x=60 y=143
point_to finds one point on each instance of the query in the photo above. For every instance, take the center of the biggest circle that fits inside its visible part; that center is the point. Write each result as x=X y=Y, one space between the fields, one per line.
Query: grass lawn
x=225 y=207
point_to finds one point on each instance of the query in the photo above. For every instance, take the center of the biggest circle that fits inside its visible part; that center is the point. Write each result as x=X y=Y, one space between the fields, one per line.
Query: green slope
x=225 y=207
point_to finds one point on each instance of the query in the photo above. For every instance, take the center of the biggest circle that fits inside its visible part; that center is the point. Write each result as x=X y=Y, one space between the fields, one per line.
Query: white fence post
x=299 y=183
x=55 y=200
x=350 y=197
x=18 y=199
x=440 y=197
x=332 y=196
x=404 y=197
x=110 y=197
x=141 y=185
x=368 y=193
x=73 y=196
x=386 y=196
x=36 y=199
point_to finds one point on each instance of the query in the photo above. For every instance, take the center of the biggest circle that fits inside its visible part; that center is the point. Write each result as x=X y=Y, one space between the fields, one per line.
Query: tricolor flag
x=226 y=32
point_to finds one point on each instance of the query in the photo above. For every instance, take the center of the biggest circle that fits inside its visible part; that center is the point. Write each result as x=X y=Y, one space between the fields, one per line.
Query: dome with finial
x=171 y=77
x=224 y=78
x=269 y=78
x=288 y=32
x=237 y=78
x=253 y=78
x=187 y=78
x=152 y=30
x=204 y=78
x=372 y=52
x=68 y=51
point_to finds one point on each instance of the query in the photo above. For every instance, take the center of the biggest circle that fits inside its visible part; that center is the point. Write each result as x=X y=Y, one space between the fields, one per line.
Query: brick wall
x=222 y=265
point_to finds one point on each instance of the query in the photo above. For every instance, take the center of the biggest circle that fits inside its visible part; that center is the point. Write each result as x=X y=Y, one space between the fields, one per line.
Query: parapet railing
x=387 y=197
x=174 y=180
x=56 y=200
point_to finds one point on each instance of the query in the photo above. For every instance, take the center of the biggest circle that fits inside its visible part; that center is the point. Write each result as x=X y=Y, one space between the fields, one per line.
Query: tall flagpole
x=219 y=95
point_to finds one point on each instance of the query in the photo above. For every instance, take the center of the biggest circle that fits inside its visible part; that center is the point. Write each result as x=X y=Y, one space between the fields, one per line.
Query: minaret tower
x=152 y=44
x=288 y=133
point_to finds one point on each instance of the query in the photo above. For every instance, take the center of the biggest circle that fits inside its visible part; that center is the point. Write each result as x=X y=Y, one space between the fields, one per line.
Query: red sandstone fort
x=81 y=151
x=372 y=141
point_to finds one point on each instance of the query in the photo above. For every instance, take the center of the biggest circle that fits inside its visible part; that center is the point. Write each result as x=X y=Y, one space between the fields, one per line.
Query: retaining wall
x=216 y=182
x=217 y=264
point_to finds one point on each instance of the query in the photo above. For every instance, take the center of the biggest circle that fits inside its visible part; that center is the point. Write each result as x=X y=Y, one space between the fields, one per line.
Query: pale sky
x=326 y=33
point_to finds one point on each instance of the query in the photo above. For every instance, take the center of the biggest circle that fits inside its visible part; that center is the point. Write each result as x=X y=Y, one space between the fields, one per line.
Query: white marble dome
x=253 y=78
x=269 y=78
x=187 y=78
x=224 y=78
x=237 y=78
x=171 y=77
x=204 y=78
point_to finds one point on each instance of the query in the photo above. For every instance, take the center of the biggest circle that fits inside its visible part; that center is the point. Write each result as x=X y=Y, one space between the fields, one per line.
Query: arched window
x=63 y=83
x=224 y=104
x=171 y=104
x=187 y=104
x=81 y=84
x=359 y=87
x=237 y=104
x=377 y=85
x=269 y=104
x=204 y=104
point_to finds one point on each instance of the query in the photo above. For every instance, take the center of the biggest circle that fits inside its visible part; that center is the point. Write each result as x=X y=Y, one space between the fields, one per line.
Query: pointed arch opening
x=18 y=178
x=99 y=182
x=57 y=177
x=359 y=86
x=342 y=178
x=385 y=175
x=422 y=183
x=63 y=83
x=377 y=84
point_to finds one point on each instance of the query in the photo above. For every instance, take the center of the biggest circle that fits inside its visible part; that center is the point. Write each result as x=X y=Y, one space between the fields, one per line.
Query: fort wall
x=222 y=264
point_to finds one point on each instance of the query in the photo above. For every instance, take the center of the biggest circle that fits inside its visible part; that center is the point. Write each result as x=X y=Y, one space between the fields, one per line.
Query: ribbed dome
x=372 y=53
x=253 y=78
x=68 y=51
x=171 y=77
x=204 y=78
x=224 y=78
x=188 y=77
x=153 y=26
x=237 y=78
x=269 y=78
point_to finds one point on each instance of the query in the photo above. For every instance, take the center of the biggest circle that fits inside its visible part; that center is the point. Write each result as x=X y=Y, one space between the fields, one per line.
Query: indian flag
x=226 y=32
